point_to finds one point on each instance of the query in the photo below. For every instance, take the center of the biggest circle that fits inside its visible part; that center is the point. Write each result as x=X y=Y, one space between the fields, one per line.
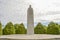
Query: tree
x=20 y=28
x=53 y=28
x=16 y=27
x=59 y=28
x=45 y=27
x=9 y=29
x=0 y=28
x=24 y=31
x=39 y=29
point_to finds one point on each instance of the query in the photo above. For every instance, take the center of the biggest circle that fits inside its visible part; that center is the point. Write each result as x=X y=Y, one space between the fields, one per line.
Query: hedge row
x=52 y=28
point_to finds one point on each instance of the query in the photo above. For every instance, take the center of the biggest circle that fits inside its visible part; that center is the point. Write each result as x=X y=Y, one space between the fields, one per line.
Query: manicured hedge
x=39 y=29
x=9 y=29
x=0 y=28
x=20 y=28
x=52 y=28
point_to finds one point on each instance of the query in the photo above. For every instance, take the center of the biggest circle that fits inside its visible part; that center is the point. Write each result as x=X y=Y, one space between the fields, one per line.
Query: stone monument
x=30 y=31
x=30 y=21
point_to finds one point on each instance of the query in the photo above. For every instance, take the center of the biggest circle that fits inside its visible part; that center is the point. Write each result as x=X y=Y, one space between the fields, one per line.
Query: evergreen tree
x=20 y=28
x=23 y=29
x=9 y=29
x=0 y=28
x=16 y=27
x=39 y=29
x=59 y=27
x=53 y=28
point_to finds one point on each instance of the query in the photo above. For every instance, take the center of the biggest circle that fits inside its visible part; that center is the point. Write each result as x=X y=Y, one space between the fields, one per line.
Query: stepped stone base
x=30 y=37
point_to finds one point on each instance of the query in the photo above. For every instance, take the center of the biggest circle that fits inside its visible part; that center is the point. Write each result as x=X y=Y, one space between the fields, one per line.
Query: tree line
x=52 y=28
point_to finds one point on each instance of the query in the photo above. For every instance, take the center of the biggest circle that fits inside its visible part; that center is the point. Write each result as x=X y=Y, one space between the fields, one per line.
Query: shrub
x=53 y=28
x=9 y=29
x=39 y=29
x=0 y=28
x=20 y=28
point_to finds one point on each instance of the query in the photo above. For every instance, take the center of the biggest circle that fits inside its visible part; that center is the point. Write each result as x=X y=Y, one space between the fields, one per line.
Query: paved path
x=35 y=36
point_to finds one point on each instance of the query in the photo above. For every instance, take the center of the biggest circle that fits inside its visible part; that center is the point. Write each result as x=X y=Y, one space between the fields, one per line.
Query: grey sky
x=16 y=10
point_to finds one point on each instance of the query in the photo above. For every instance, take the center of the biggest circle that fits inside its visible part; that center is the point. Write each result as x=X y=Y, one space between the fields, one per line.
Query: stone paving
x=30 y=37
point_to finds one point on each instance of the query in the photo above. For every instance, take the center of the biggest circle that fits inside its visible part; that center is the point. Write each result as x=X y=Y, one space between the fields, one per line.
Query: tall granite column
x=30 y=21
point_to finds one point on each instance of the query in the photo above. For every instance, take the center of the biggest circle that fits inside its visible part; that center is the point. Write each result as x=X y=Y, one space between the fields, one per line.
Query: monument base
x=30 y=37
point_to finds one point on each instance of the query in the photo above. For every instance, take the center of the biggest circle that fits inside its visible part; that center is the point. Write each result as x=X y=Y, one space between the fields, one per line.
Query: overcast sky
x=16 y=11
